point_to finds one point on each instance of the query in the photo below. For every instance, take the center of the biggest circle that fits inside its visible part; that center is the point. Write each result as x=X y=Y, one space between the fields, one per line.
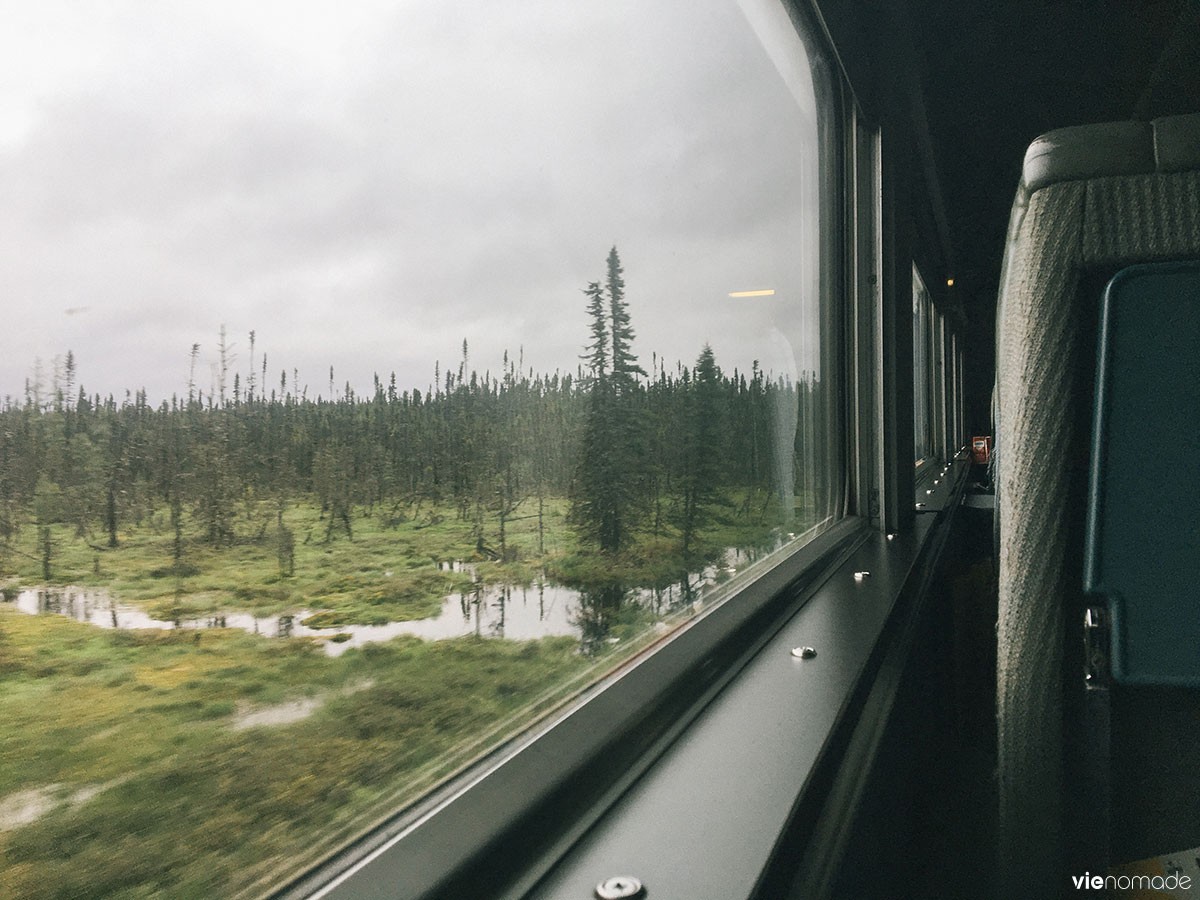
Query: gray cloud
x=367 y=189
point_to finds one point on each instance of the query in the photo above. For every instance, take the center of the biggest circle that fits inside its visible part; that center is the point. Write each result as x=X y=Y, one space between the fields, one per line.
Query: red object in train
x=981 y=449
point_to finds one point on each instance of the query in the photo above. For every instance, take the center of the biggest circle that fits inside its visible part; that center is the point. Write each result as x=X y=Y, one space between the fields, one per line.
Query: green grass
x=197 y=808
x=386 y=573
x=187 y=805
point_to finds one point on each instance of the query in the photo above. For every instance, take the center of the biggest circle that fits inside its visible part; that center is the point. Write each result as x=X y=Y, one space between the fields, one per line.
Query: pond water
x=518 y=612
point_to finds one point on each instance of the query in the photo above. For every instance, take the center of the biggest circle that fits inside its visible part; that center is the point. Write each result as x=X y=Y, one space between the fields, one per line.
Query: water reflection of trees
x=609 y=610
x=599 y=614
x=600 y=606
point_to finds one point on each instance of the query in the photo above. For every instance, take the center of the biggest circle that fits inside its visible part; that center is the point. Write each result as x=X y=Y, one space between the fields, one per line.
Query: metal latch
x=1097 y=641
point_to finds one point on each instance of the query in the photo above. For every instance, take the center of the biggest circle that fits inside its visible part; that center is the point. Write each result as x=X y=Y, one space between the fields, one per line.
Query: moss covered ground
x=152 y=760
x=386 y=570
x=156 y=792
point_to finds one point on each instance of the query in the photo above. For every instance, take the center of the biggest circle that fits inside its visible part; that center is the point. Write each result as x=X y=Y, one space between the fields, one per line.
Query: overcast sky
x=365 y=184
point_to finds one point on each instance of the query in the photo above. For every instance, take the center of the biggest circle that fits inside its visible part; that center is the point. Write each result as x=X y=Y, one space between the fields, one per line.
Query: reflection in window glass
x=938 y=384
x=960 y=434
x=923 y=402
x=954 y=432
x=376 y=376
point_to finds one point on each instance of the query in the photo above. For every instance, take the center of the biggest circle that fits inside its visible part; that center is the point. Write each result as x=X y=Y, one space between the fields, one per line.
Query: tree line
x=636 y=451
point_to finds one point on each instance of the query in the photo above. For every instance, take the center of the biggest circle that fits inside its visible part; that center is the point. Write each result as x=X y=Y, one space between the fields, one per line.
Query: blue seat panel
x=1143 y=526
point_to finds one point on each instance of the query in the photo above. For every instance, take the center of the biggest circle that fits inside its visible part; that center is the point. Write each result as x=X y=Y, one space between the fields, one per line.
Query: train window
x=939 y=358
x=924 y=401
x=937 y=379
x=378 y=376
x=954 y=435
x=960 y=434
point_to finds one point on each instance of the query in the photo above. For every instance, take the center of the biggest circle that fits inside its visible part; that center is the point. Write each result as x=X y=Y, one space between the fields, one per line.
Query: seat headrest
x=1169 y=144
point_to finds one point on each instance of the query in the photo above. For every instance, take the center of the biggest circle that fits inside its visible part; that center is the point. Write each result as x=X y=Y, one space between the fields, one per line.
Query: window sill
x=935 y=485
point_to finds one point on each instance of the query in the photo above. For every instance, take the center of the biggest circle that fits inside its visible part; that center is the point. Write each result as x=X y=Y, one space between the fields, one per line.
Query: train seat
x=1092 y=201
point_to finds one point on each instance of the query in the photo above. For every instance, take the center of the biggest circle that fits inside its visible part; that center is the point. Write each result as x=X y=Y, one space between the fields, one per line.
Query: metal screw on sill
x=859 y=576
x=620 y=887
x=803 y=652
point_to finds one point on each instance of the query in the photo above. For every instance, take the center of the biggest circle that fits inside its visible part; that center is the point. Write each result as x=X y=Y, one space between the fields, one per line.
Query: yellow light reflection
x=949 y=282
x=766 y=293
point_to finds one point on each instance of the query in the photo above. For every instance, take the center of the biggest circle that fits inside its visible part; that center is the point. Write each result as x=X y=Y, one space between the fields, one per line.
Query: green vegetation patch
x=189 y=806
x=384 y=574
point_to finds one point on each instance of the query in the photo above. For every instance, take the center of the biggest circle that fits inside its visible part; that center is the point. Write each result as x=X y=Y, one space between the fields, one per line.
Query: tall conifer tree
x=624 y=363
x=597 y=351
x=608 y=469
x=700 y=471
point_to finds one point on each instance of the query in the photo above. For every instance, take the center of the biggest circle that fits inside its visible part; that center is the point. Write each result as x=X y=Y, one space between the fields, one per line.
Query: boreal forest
x=641 y=472
x=242 y=626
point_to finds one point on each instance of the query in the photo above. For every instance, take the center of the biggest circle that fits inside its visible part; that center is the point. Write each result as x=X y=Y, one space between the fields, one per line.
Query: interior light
x=949 y=282
x=766 y=293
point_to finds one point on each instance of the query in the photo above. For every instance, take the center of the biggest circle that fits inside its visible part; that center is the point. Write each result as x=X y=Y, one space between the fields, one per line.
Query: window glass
x=955 y=384
x=923 y=370
x=961 y=434
x=939 y=358
x=375 y=376
x=955 y=436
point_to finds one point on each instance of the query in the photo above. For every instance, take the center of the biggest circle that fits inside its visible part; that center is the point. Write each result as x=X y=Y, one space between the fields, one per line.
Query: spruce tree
x=702 y=453
x=597 y=350
x=624 y=363
x=607 y=477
